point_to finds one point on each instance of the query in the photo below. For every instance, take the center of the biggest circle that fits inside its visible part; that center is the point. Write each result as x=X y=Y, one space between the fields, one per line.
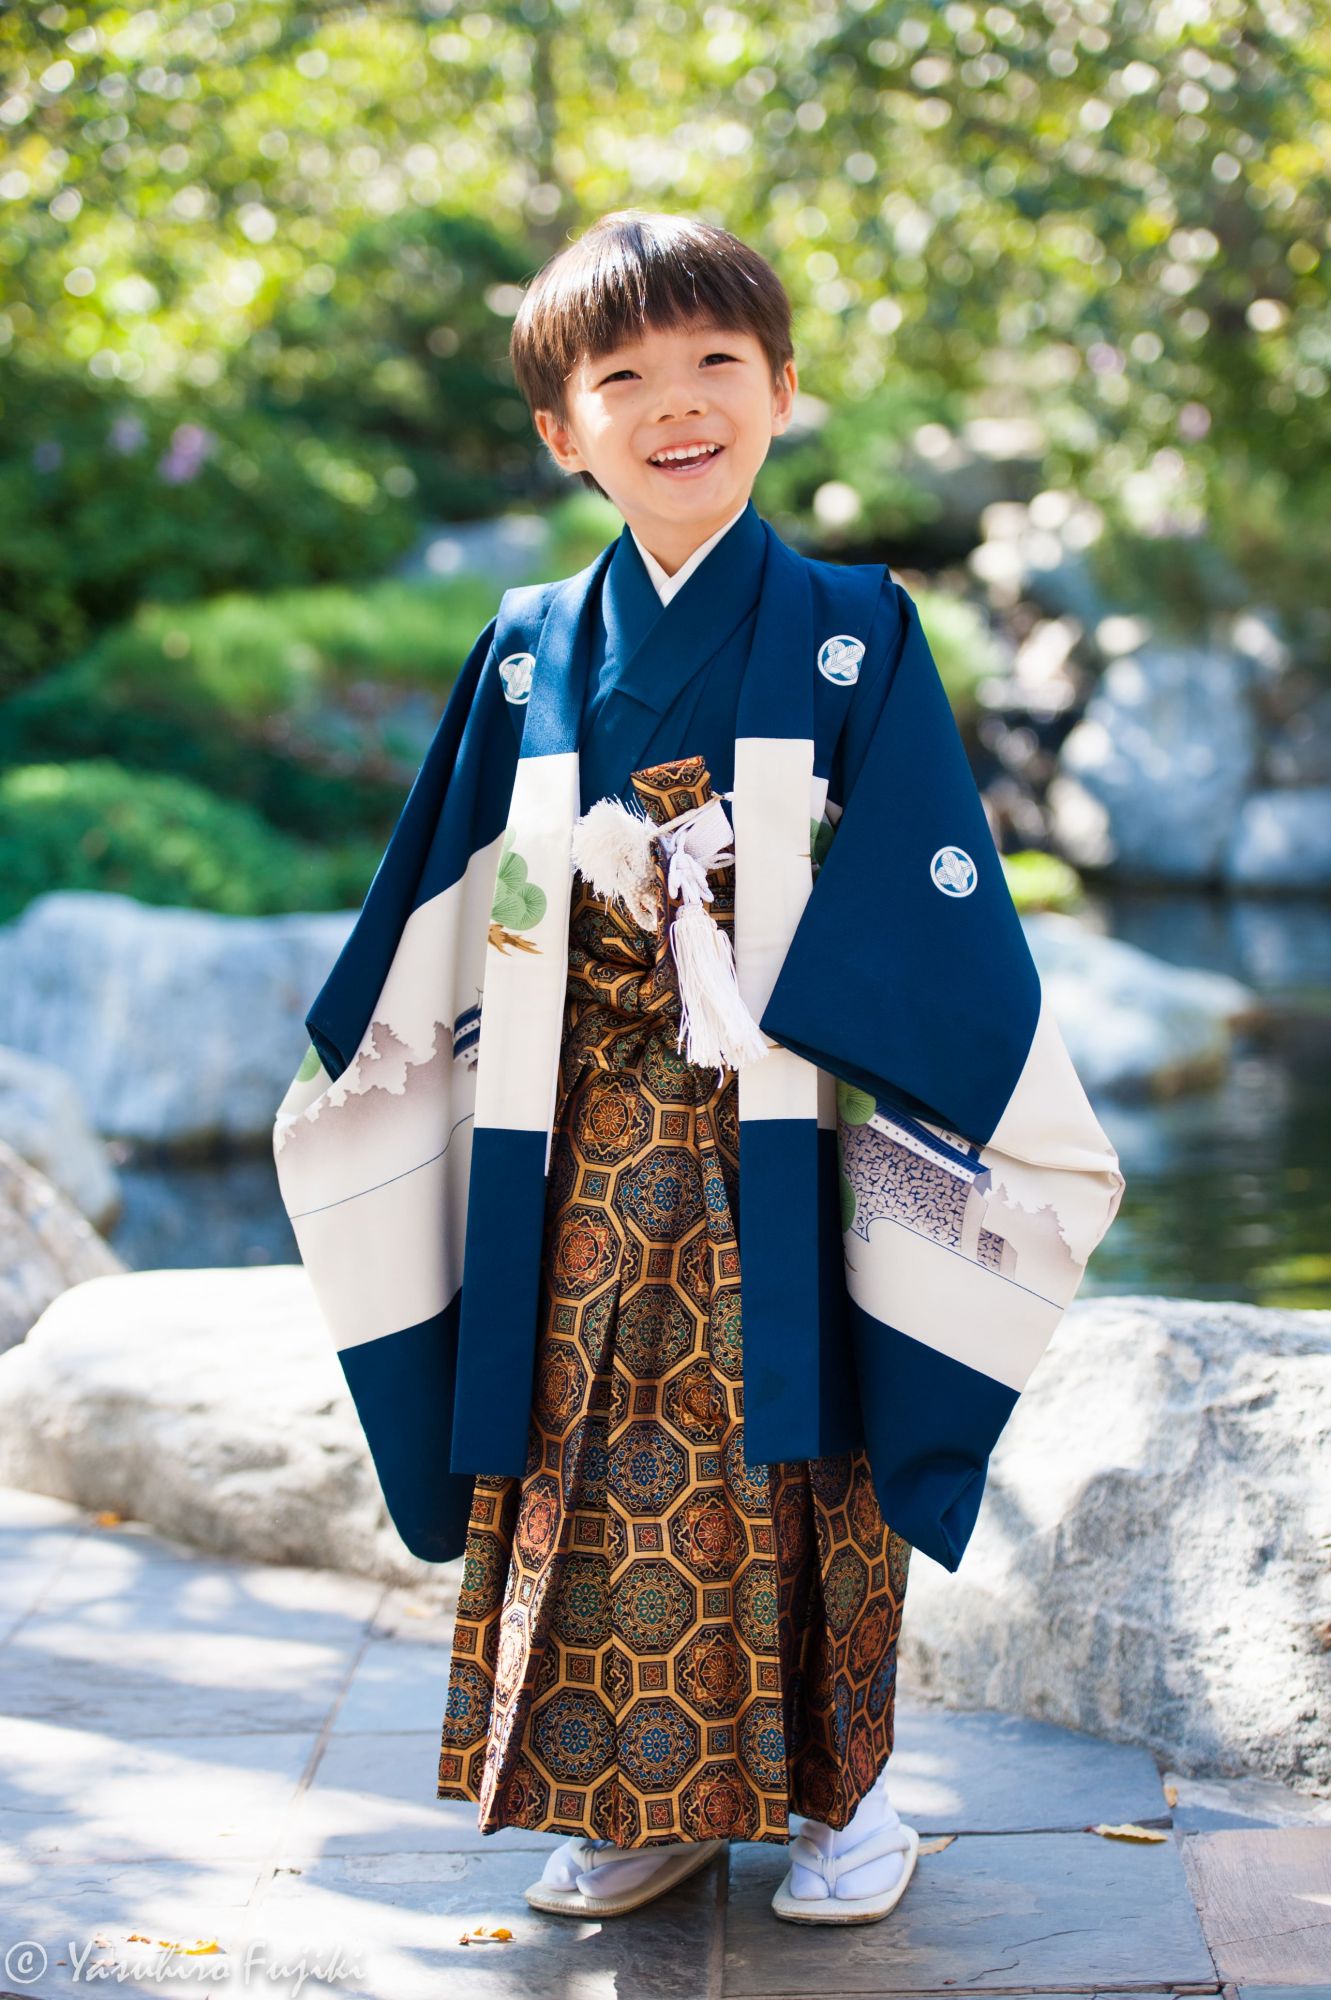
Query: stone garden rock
x=179 y=1027
x=43 y=1119
x=46 y=1245
x=507 y=550
x=210 y=1404
x=1150 y=1562
x=1135 y=1026
x=1282 y=840
x=1150 y=781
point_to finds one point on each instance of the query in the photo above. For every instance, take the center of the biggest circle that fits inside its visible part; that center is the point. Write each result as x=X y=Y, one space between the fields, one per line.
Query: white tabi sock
x=873 y=1812
x=612 y=1869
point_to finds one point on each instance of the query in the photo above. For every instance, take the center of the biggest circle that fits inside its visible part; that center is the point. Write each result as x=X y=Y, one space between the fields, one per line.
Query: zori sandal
x=834 y=1909
x=579 y=1856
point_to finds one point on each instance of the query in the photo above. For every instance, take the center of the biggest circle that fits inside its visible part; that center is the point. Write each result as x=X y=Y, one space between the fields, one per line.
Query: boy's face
x=671 y=388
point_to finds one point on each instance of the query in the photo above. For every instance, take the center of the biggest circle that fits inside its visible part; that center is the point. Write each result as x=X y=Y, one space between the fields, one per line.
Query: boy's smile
x=673 y=425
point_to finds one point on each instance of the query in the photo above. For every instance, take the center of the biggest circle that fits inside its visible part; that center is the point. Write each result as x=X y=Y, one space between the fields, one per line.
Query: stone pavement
x=208 y=1752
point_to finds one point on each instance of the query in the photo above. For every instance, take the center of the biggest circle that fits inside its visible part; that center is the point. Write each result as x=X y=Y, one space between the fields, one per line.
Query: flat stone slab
x=129 y=1635
x=159 y=1684
x=1207 y=1805
x=397 y=1687
x=128 y=1574
x=75 y=1795
x=1005 y=1913
x=1264 y=1900
x=979 y=1771
x=374 y=1793
x=78 y=1919
x=407 y=1911
x=1283 y=1992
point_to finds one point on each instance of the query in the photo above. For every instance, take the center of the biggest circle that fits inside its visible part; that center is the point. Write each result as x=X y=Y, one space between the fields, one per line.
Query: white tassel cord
x=612 y=851
x=720 y=1029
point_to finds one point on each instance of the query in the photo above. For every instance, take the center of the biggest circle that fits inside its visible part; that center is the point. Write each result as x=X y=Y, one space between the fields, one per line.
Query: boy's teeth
x=694 y=451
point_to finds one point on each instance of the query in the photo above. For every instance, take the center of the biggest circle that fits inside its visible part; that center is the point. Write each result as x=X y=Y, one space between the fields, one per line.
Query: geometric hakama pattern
x=655 y=1640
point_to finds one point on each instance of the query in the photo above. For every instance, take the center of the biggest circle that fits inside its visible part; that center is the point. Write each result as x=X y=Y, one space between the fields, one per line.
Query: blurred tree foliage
x=1126 y=204
x=102 y=506
x=304 y=229
x=404 y=349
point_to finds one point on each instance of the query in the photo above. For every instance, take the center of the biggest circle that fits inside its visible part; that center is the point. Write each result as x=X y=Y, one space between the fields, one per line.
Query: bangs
x=630 y=272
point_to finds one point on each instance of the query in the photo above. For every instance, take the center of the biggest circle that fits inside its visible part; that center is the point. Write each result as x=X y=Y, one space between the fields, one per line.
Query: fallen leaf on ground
x=1129 y=1832
x=1171 y=1795
x=108 y=1518
x=937 y=1844
x=481 y=1936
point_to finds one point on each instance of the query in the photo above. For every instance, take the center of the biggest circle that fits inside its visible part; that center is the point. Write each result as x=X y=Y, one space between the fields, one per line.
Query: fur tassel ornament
x=612 y=850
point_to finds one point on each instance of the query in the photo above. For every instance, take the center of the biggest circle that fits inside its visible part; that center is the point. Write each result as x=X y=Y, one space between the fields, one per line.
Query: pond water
x=1228 y=1190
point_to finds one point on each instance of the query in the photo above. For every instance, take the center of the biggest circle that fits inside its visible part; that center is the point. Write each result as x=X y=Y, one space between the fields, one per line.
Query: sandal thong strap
x=887 y=1840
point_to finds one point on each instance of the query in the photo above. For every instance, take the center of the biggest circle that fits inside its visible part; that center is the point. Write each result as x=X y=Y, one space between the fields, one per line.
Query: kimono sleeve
x=909 y=974
x=975 y=1179
x=338 y=1016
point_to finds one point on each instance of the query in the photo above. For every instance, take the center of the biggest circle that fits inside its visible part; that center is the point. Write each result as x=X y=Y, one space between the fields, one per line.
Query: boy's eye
x=717 y=356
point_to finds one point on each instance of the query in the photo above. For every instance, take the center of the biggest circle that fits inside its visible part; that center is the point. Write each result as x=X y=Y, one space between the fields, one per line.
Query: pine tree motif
x=518 y=903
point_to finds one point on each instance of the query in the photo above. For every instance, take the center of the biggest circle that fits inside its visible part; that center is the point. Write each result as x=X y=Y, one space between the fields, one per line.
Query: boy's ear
x=784 y=390
x=558 y=441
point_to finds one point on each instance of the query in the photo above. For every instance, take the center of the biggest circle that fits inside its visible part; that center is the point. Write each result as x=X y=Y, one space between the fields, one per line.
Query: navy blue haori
x=922 y=1178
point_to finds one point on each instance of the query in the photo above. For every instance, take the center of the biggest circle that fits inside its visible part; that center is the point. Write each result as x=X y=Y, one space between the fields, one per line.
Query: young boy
x=579 y=1048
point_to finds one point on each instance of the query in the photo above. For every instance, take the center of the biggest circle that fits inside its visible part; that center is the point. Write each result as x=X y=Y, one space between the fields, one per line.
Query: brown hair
x=633 y=269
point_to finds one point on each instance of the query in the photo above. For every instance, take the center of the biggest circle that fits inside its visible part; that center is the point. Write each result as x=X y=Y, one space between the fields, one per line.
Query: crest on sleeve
x=953 y=872
x=515 y=672
x=839 y=659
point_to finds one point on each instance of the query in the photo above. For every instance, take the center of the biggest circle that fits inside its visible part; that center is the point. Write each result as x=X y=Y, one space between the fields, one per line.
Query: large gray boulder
x=1152 y=1561
x=210 y=1404
x=1135 y=1026
x=1151 y=779
x=46 y=1245
x=179 y=1027
x=43 y=1119
x=1282 y=840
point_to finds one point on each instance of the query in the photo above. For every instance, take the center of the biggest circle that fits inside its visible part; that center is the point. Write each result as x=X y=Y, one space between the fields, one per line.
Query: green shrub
x=963 y=645
x=108 y=500
x=580 y=524
x=1041 y=881
x=313 y=706
x=97 y=826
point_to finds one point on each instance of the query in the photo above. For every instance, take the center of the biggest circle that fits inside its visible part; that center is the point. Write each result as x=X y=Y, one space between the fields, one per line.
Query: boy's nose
x=681 y=402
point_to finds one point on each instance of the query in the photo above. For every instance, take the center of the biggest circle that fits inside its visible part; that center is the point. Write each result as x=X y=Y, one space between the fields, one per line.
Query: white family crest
x=515 y=672
x=839 y=659
x=953 y=871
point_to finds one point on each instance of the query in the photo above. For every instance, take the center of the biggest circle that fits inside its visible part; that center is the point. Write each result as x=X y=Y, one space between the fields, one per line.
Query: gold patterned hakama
x=656 y=1641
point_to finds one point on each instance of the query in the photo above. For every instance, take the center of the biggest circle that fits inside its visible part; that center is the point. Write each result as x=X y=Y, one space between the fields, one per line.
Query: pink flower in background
x=189 y=447
x=128 y=433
